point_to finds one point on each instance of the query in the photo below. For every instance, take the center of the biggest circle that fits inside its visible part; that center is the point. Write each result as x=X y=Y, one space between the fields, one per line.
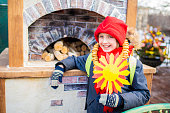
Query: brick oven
x=74 y=27
x=48 y=21
x=34 y=27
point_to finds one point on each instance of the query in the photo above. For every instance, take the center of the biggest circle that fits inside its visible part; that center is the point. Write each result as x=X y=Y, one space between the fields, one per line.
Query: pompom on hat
x=114 y=27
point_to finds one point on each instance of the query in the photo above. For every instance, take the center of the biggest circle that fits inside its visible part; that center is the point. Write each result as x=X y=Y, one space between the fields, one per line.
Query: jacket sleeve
x=74 y=62
x=139 y=95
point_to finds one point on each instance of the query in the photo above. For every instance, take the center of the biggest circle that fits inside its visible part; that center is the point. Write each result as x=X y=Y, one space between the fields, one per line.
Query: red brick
x=110 y=9
x=42 y=43
x=86 y=19
x=58 y=12
x=88 y=4
x=80 y=3
x=73 y=3
x=47 y=17
x=35 y=57
x=102 y=7
x=100 y=19
x=76 y=12
x=69 y=80
x=82 y=79
x=63 y=17
x=70 y=87
x=40 y=9
x=82 y=25
x=90 y=13
x=32 y=37
x=64 y=4
x=36 y=29
x=27 y=19
x=56 y=23
x=56 y=102
x=81 y=93
x=48 y=6
x=91 y=46
x=89 y=39
x=118 y=3
x=56 y=4
x=92 y=26
x=32 y=13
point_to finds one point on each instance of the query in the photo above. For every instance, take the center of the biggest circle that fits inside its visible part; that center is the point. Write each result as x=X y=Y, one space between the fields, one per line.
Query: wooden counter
x=37 y=72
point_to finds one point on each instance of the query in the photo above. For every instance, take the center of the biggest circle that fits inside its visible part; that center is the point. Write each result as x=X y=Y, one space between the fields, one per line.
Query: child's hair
x=133 y=36
x=117 y=46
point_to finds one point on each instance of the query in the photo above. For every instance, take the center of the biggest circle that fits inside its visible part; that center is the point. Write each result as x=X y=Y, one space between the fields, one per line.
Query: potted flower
x=153 y=50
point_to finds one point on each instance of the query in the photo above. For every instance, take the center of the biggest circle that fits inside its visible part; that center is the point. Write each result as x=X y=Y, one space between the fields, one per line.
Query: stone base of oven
x=34 y=95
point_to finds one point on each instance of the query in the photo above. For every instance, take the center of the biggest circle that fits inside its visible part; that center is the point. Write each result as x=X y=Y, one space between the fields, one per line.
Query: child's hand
x=113 y=100
x=57 y=76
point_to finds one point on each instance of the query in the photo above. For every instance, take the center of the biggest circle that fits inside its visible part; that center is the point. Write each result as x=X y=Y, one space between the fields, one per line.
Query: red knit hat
x=114 y=27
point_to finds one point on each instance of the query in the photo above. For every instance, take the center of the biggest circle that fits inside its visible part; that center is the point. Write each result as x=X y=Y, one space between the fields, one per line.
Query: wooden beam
x=35 y=72
x=45 y=72
x=2 y=96
x=131 y=13
x=15 y=32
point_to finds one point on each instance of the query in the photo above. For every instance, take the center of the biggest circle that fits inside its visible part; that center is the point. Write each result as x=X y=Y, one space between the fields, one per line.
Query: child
x=109 y=89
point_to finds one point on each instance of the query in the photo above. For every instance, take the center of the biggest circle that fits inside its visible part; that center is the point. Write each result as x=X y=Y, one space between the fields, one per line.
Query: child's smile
x=107 y=42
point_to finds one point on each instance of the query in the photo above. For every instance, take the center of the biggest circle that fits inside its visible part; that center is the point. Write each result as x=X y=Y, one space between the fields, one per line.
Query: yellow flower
x=151 y=52
x=158 y=33
x=153 y=35
x=146 y=51
x=156 y=39
x=164 y=35
x=152 y=49
x=164 y=53
x=146 y=41
x=143 y=41
x=150 y=40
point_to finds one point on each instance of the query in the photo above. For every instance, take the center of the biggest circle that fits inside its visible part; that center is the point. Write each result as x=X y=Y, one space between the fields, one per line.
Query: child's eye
x=110 y=37
x=100 y=36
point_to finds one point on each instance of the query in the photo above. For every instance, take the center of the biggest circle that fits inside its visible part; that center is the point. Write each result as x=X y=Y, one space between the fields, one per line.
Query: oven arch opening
x=63 y=48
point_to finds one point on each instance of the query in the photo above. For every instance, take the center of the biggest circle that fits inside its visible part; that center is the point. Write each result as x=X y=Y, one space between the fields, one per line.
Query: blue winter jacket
x=133 y=95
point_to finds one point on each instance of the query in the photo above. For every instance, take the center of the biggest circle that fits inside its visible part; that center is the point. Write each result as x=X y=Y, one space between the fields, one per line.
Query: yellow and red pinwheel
x=110 y=73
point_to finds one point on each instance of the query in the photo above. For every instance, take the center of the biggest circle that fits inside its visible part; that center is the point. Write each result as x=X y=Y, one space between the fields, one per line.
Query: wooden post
x=131 y=13
x=15 y=32
x=149 y=77
x=2 y=96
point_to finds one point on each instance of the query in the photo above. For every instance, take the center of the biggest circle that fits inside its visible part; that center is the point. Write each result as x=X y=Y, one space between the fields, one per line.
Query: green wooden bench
x=160 y=108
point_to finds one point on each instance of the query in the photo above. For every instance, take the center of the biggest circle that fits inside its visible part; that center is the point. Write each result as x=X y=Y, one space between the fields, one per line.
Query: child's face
x=107 y=42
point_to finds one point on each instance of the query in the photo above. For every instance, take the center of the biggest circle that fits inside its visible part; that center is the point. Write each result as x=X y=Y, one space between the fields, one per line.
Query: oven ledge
x=40 y=72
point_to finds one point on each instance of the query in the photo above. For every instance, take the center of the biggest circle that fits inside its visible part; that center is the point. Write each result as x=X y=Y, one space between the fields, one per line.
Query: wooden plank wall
x=131 y=13
x=15 y=42
x=15 y=32
x=2 y=96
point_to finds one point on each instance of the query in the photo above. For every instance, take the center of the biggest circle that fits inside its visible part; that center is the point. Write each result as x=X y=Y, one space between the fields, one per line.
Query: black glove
x=57 y=76
x=110 y=100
